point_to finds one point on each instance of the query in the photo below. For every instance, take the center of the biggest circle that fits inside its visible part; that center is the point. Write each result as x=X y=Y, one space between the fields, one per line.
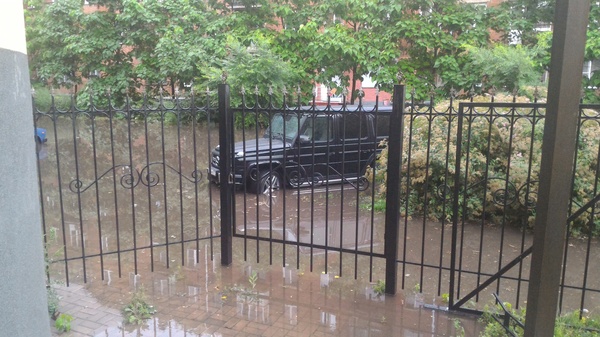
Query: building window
x=587 y=69
x=367 y=81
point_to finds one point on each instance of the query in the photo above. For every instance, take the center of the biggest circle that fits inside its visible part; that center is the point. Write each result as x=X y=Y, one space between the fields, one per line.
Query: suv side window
x=354 y=126
x=383 y=125
x=318 y=129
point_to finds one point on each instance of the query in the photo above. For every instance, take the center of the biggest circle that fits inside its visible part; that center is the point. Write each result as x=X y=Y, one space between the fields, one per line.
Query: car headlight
x=239 y=154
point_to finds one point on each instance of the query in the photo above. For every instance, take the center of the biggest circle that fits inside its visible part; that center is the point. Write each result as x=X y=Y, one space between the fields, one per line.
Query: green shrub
x=503 y=165
x=43 y=100
x=569 y=325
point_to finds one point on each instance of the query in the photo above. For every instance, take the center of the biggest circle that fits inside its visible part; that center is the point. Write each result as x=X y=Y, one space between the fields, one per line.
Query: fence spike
x=284 y=90
x=400 y=77
x=243 y=90
x=256 y=92
x=432 y=91
x=270 y=90
x=224 y=77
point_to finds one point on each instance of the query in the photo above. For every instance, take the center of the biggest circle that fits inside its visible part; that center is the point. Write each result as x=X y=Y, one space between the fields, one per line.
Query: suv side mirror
x=304 y=139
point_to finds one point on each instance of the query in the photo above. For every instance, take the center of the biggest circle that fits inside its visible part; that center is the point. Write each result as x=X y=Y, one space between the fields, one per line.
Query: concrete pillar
x=23 y=301
x=558 y=148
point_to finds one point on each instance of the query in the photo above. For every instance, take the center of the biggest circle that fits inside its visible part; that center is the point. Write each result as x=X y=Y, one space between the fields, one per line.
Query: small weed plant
x=379 y=287
x=248 y=293
x=445 y=298
x=63 y=322
x=138 y=310
x=458 y=328
x=52 y=301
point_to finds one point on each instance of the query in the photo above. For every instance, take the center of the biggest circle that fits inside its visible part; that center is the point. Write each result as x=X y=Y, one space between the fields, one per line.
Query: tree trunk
x=353 y=89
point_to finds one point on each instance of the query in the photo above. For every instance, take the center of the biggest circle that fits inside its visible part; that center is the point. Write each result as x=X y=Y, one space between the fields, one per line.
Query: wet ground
x=208 y=300
x=135 y=202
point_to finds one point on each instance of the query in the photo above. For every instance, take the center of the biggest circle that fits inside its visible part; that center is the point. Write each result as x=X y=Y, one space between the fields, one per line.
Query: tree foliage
x=506 y=68
x=521 y=18
x=134 y=44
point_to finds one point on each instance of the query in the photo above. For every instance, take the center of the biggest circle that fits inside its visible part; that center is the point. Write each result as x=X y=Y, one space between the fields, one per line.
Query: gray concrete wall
x=23 y=301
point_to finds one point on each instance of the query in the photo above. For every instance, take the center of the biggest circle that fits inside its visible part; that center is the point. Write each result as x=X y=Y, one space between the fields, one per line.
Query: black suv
x=308 y=148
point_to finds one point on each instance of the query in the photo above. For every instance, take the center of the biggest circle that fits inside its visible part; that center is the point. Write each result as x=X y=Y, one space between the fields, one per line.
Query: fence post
x=392 y=199
x=558 y=148
x=225 y=164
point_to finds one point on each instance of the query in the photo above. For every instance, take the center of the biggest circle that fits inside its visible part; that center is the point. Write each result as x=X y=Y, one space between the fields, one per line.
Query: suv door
x=356 y=147
x=315 y=148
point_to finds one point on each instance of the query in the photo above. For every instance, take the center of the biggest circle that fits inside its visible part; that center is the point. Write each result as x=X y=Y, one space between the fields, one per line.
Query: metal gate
x=299 y=197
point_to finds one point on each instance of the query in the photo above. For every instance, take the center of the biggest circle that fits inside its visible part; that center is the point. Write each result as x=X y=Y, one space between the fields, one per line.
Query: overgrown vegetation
x=569 y=325
x=503 y=168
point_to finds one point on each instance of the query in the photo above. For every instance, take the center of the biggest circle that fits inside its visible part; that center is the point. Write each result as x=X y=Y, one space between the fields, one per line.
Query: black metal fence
x=125 y=190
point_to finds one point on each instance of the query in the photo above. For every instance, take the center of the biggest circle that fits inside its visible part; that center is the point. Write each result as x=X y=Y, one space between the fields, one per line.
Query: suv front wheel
x=268 y=182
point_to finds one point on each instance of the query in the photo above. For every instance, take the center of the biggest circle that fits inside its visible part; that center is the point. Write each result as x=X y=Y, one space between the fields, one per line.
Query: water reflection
x=321 y=219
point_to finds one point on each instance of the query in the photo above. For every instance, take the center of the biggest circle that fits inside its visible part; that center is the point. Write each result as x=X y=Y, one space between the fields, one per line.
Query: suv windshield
x=284 y=125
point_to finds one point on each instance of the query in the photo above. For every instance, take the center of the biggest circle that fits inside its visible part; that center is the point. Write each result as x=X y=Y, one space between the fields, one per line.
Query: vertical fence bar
x=112 y=128
x=392 y=211
x=455 y=206
x=77 y=178
x=226 y=181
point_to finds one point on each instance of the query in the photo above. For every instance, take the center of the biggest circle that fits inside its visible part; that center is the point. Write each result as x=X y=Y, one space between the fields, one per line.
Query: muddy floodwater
x=128 y=205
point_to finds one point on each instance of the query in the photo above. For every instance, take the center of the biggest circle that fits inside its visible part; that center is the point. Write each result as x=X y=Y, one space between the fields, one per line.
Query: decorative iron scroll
x=133 y=178
x=525 y=195
x=297 y=176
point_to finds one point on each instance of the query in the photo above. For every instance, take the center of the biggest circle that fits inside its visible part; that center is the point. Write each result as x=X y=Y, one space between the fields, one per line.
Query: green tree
x=339 y=42
x=51 y=60
x=255 y=69
x=523 y=16
x=436 y=35
x=506 y=68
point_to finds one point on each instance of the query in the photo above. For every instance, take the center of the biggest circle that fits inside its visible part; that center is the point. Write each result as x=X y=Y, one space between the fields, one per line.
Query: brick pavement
x=198 y=305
